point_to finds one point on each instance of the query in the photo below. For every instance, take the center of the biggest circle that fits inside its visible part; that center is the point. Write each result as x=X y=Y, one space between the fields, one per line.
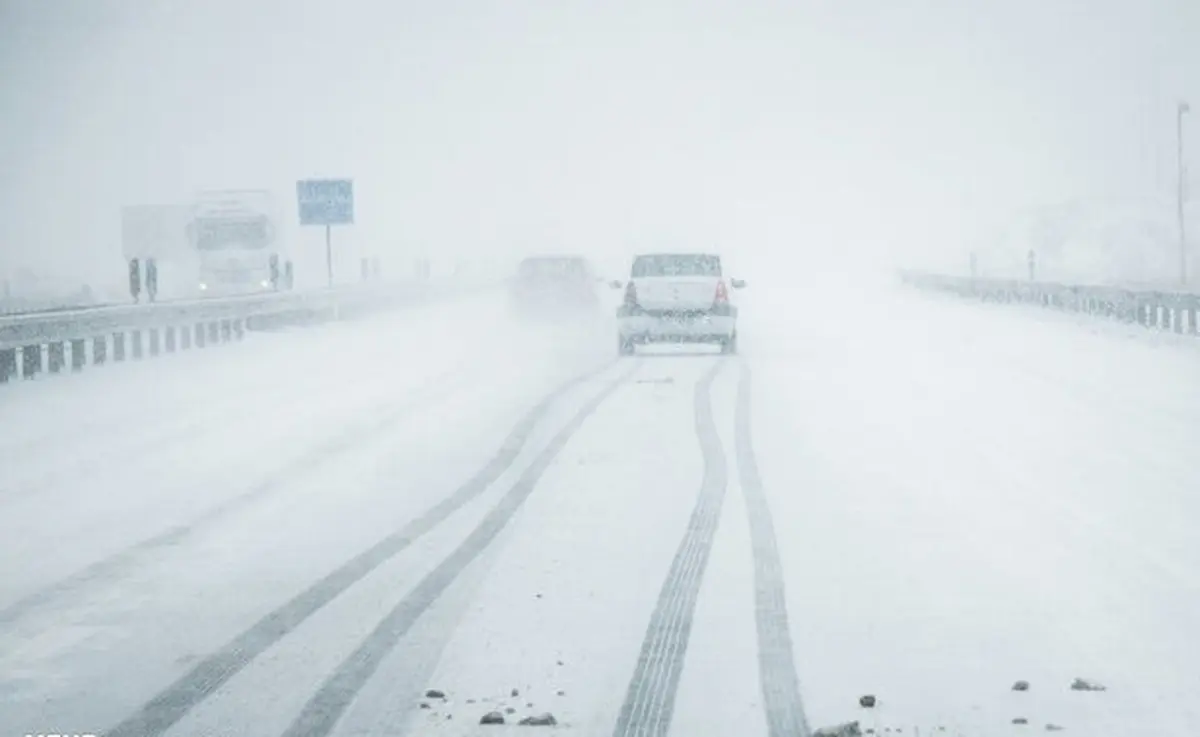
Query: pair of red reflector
x=722 y=296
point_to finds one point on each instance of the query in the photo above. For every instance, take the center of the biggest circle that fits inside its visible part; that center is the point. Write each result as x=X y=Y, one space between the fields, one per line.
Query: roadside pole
x=1181 y=193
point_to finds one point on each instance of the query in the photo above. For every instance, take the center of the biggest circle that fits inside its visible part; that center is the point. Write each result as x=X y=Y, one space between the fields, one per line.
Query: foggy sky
x=804 y=131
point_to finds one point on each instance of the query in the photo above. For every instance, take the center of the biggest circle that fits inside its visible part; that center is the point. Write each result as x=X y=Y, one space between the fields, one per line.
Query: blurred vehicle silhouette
x=554 y=286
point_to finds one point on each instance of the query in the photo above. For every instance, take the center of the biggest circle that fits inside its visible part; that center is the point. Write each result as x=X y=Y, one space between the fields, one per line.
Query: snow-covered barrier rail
x=31 y=344
x=1164 y=309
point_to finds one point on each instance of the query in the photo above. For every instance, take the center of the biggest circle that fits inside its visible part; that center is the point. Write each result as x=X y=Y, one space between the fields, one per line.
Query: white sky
x=814 y=131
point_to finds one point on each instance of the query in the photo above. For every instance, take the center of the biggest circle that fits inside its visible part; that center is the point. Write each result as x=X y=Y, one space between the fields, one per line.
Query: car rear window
x=677 y=265
x=552 y=268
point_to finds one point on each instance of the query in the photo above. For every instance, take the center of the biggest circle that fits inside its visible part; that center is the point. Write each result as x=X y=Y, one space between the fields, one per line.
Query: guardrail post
x=78 y=354
x=31 y=360
x=136 y=339
x=56 y=357
x=214 y=335
x=154 y=341
x=8 y=364
x=118 y=346
x=169 y=339
x=200 y=335
x=99 y=350
x=226 y=331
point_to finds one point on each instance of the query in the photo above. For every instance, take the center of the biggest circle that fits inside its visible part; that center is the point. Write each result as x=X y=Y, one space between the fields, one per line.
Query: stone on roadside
x=492 y=717
x=541 y=720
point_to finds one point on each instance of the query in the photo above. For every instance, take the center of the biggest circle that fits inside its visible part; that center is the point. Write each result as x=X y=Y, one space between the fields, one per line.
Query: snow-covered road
x=890 y=494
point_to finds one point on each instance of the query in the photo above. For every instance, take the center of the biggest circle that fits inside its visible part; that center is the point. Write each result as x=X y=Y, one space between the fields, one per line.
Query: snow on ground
x=570 y=596
x=321 y=643
x=968 y=497
x=241 y=511
x=963 y=495
x=166 y=440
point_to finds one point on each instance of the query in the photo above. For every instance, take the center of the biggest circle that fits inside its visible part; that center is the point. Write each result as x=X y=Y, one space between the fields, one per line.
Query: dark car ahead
x=549 y=285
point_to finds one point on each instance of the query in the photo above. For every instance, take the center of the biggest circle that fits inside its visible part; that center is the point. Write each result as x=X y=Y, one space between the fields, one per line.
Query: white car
x=678 y=297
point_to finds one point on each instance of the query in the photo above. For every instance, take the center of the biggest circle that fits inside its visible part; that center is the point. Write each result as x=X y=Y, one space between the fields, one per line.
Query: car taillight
x=722 y=294
x=631 y=295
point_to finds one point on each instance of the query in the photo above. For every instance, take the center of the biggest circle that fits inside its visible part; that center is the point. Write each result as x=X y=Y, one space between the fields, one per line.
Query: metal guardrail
x=51 y=341
x=1163 y=309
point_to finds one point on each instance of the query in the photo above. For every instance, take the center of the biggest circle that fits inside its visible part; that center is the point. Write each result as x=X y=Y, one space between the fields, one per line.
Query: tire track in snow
x=650 y=698
x=117 y=565
x=173 y=703
x=326 y=707
x=776 y=661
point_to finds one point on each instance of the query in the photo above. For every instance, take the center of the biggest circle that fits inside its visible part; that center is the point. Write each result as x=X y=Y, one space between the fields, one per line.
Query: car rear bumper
x=701 y=326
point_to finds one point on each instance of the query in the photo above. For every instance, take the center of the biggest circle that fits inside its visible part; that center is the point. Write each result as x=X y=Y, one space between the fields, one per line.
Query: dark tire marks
x=174 y=702
x=650 y=698
x=776 y=662
x=119 y=564
x=326 y=707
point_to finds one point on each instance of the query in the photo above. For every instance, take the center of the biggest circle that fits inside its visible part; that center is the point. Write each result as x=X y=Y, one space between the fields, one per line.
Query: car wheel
x=625 y=346
x=729 y=345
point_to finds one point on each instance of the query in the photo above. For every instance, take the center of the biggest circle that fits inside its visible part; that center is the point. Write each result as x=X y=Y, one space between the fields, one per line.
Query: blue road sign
x=325 y=201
